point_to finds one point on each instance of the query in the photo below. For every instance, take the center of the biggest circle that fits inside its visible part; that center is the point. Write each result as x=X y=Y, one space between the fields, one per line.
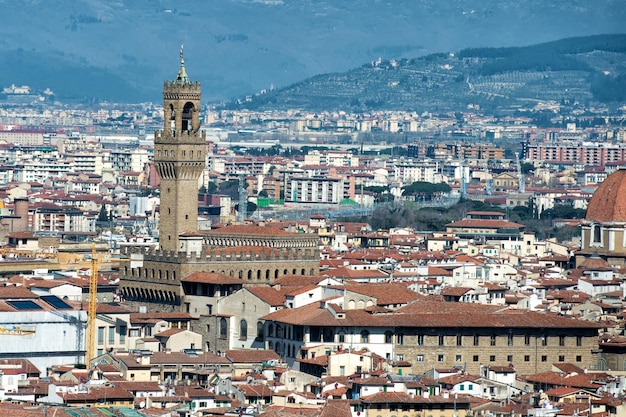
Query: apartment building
x=314 y=190
x=129 y=160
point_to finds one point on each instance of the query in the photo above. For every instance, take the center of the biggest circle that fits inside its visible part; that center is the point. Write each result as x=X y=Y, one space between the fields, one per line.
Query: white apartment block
x=331 y=158
x=91 y=163
x=40 y=171
x=127 y=160
x=314 y=190
x=410 y=172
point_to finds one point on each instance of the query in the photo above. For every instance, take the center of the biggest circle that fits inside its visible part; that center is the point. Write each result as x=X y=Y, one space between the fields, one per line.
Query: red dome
x=608 y=203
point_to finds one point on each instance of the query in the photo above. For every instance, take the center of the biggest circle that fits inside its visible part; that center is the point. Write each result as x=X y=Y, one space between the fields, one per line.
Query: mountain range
x=122 y=50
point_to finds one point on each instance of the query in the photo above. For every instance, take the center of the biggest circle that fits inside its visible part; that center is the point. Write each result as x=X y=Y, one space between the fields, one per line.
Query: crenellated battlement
x=175 y=87
x=182 y=137
x=212 y=255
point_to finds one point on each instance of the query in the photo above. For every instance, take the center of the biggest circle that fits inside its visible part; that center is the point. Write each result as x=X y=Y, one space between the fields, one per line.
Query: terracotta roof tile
x=385 y=293
x=7 y=293
x=251 y=356
x=269 y=295
x=608 y=203
x=248 y=230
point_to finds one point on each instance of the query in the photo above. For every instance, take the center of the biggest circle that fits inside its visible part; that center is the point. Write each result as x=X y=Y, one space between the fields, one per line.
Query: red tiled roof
x=269 y=295
x=355 y=273
x=429 y=314
x=169 y=332
x=242 y=229
x=455 y=291
x=608 y=203
x=251 y=356
x=385 y=293
x=7 y=293
x=485 y=224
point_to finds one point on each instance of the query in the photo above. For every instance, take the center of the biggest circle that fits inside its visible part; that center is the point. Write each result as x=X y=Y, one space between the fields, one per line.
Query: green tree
x=426 y=190
x=103 y=216
x=230 y=188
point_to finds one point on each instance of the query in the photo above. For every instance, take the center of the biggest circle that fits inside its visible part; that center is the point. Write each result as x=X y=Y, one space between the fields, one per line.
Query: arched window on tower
x=187 y=117
x=172 y=119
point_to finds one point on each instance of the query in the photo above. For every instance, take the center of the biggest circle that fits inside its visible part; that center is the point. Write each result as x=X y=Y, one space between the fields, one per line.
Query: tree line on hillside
x=435 y=219
x=577 y=45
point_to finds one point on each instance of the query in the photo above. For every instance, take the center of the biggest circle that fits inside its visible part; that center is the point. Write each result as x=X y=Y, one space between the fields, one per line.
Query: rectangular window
x=123 y=334
x=509 y=358
x=420 y=340
x=544 y=340
x=492 y=340
x=527 y=340
x=561 y=340
x=579 y=358
x=100 y=335
x=476 y=340
x=458 y=358
x=475 y=358
x=579 y=340
x=440 y=358
x=492 y=358
x=134 y=333
x=400 y=339
x=544 y=358
x=441 y=340
x=111 y=335
x=420 y=358
x=526 y=358
x=459 y=340
x=509 y=341
x=561 y=358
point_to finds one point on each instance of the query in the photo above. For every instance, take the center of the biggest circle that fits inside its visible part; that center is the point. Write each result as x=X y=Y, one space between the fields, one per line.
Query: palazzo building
x=226 y=258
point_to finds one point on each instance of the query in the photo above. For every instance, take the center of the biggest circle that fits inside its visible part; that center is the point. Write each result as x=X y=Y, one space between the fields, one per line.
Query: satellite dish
x=142 y=404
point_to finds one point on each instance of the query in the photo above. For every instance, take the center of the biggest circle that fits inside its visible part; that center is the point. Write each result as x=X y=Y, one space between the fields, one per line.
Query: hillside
x=122 y=50
x=581 y=70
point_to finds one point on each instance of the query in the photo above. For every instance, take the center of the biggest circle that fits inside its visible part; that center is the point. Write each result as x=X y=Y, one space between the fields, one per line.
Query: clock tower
x=179 y=159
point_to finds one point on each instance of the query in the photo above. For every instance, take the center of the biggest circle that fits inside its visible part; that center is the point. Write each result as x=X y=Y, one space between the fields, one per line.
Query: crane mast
x=91 y=312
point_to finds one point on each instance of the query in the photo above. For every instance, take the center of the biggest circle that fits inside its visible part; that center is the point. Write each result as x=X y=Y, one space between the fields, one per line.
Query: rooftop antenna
x=520 y=177
x=243 y=199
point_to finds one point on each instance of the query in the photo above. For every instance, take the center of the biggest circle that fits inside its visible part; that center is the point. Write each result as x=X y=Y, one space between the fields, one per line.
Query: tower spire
x=182 y=78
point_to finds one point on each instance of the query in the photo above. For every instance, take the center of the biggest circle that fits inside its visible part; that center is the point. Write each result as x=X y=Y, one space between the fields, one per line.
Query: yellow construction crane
x=91 y=312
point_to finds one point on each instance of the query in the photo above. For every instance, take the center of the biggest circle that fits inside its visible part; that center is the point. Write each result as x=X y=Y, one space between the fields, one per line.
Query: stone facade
x=179 y=152
x=529 y=350
x=255 y=255
x=157 y=277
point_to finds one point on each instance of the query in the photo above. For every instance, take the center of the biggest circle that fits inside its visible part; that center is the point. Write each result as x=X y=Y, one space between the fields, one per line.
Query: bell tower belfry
x=179 y=152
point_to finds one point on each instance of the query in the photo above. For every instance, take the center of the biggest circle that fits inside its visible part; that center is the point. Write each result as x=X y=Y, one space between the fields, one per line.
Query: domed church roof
x=608 y=203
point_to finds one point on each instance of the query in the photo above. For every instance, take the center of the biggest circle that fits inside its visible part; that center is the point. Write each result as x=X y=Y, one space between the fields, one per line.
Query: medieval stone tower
x=179 y=158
